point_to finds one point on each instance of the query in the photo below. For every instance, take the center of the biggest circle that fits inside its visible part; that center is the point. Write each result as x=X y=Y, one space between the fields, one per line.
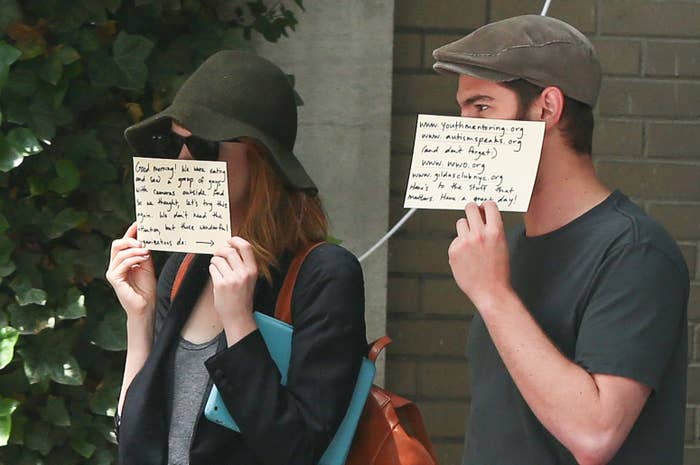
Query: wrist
x=496 y=301
x=238 y=326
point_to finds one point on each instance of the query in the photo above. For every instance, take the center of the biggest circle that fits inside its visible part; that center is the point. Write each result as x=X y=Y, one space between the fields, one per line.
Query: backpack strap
x=181 y=272
x=409 y=411
x=283 y=308
x=376 y=347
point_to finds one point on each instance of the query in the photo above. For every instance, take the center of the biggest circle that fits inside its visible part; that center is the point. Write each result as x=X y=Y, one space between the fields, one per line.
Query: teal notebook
x=278 y=338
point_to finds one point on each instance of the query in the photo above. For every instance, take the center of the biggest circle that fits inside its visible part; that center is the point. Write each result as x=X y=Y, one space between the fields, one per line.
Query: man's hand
x=479 y=254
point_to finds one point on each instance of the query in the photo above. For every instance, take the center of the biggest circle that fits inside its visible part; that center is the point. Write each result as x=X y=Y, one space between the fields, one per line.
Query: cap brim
x=446 y=67
x=211 y=125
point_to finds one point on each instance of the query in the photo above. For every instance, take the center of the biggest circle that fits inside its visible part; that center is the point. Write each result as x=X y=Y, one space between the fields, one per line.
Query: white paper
x=181 y=205
x=460 y=160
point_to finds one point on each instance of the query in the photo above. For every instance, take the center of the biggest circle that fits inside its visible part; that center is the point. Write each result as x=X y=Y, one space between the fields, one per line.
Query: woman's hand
x=234 y=274
x=132 y=275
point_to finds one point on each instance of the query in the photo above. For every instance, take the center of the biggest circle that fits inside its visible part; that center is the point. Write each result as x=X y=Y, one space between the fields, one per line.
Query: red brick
x=619 y=56
x=444 y=419
x=449 y=453
x=617 y=138
x=682 y=221
x=650 y=18
x=694 y=303
x=690 y=416
x=673 y=140
x=654 y=181
x=425 y=93
x=398 y=175
x=694 y=384
x=403 y=133
x=625 y=97
x=419 y=256
x=427 y=337
x=433 y=41
x=672 y=58
x=579 y=13
x=407 y=50
x=443 y=14
x=443 y=380
x=442 y=296
x=690 y=253
x=403 y=295
x=401 y=377
x=691 y=455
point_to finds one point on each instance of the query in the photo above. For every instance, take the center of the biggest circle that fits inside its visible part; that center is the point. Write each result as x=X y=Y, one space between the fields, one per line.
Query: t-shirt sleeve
x=634 y=315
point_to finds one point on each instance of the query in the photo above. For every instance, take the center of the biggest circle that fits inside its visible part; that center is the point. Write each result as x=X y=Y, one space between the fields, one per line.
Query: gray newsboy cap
x=541 y=50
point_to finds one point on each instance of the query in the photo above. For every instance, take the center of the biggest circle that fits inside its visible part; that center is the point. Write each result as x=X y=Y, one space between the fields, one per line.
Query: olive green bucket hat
x=231 y=95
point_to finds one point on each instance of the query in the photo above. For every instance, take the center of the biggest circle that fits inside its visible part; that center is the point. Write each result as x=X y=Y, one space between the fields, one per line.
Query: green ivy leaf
x=102 y=457
x=24 y=141
x=83 y=446
x=9 y=13
x=8 y=55
x=68 y=178
x=6 y=249
x=130 y=53
x=65 y=220
x=37 y=436
x=55 y=412
x=4 y=225
x=52 y=69
x=67 y=55
x=31 y=319
x=73 y=306
x=43 y=363
x=104 y=400
x=10 y=158
x=32 y=296
x=8 y=340
x=110 y=334
x=7 y=408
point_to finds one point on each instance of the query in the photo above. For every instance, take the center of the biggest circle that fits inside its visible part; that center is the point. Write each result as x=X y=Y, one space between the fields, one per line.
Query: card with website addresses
x=181 y=205
x=459 y=160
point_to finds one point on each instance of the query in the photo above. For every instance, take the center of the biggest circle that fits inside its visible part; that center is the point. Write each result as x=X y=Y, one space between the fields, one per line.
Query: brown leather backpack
x=382 y=436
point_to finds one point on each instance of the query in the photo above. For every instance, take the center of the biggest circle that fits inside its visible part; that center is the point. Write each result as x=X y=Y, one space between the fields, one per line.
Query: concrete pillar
x=341 y=57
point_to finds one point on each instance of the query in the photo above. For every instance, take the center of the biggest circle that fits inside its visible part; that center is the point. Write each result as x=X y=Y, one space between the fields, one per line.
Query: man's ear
x=550 y=106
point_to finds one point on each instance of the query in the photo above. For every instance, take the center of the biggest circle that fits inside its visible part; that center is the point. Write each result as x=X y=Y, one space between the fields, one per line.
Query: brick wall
x=647 y=143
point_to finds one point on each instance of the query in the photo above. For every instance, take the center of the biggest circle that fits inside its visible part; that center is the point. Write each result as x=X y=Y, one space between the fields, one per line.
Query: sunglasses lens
x=202 y=149
x=167 y=145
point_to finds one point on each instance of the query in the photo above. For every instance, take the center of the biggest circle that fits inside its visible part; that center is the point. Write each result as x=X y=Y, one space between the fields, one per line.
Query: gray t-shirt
x=190 y=379
x=610 y=290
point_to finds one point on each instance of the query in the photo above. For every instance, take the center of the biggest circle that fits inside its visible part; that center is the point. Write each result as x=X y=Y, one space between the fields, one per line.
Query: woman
x=238 y=108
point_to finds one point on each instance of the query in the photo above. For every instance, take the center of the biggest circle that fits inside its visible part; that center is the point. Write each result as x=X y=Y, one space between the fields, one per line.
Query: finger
x=492 y=214
x=462 y=227
x=245 y=250
x=216 y=276
x=126 y=252
x=131 y=231
x=234 y=259
x=222 y=266
x=125 y=266
x=474 y=217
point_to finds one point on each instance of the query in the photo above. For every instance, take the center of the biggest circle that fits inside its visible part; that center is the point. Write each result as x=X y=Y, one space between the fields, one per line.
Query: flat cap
x=541 y=50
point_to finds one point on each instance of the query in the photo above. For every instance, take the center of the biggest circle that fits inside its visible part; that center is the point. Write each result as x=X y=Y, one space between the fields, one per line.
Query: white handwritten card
x=181 y=205
x=460 y=160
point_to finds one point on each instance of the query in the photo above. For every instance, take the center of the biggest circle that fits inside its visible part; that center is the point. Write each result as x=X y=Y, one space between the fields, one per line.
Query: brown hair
x=278 y=218
x=576 y=122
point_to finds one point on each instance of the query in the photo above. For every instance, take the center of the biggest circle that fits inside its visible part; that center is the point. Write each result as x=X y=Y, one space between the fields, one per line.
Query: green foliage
x=73 y=76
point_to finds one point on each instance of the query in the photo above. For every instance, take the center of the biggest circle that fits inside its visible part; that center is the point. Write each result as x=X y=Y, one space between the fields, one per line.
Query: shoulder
x=330 y=261
x=637 y=232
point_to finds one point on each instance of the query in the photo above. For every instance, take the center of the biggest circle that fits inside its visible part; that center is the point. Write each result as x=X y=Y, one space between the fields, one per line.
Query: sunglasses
x=169 y=145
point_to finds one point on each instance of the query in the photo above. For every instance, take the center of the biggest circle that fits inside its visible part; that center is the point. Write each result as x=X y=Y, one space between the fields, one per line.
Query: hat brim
x=208 y=124
x=446 y=67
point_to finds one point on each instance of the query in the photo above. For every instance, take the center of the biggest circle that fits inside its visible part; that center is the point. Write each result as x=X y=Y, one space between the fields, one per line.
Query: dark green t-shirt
x=610 y=289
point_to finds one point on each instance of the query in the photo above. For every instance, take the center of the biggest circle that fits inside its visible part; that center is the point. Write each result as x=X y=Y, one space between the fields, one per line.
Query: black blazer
x=281 y=425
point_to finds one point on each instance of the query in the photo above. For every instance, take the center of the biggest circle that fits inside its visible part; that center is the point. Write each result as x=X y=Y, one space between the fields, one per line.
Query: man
x=578 y=351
